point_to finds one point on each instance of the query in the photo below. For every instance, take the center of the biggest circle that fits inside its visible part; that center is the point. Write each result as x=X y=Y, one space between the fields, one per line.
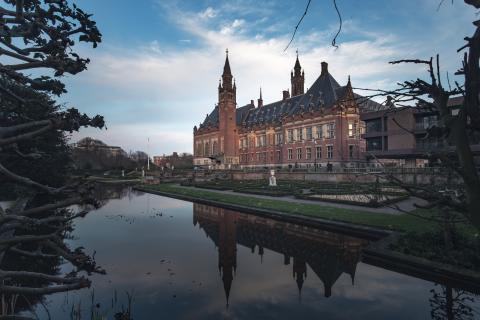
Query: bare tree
x=40 y=34
x=458 y=130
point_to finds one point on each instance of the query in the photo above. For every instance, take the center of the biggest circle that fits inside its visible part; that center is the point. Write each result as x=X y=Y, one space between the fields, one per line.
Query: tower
x=227 y=102
x=297 y=78
x=260 y=100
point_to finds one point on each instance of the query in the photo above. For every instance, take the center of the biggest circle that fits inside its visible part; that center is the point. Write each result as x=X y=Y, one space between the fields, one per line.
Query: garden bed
x=367 y=200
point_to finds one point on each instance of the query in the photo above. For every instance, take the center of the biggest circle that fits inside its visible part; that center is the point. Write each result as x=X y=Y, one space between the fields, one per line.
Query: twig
x=298 y=24
x=334 y=41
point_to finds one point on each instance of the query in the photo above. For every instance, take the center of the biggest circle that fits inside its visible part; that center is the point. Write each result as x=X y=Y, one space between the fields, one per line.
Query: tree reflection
x=451 y=304
x=39 y=258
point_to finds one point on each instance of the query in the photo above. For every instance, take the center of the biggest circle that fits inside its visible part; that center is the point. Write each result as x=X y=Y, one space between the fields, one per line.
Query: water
x=181 y=260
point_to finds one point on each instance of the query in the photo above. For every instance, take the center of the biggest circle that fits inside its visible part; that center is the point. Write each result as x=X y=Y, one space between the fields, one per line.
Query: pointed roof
x=323 y=94
x=297 y=63
x=226 y=67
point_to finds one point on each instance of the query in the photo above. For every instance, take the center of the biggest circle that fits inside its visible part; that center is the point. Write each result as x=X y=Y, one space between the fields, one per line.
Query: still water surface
x=181 y=260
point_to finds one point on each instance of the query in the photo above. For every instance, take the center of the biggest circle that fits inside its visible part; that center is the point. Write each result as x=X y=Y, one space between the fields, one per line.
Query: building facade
x=307 y=129
x=400 y=135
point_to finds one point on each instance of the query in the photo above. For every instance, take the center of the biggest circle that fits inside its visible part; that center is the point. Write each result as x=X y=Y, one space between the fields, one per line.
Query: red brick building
x=308 y=129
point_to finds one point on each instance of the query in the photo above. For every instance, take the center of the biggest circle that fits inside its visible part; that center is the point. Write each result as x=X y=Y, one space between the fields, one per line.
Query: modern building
x=400 y=135
x=307 y=129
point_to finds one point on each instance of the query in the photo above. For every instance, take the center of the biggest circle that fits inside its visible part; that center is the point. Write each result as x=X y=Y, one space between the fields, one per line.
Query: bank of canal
x=184 y=260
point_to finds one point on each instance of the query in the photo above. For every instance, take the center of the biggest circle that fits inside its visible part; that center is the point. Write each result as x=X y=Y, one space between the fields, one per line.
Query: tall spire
x=297 y=66
x=226 y=68
x=227 y=74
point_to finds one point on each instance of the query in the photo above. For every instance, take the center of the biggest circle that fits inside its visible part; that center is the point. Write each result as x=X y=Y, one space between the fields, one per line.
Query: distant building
x=308 y=129
x=182 y=161
x=159 y=161
x=90 y=144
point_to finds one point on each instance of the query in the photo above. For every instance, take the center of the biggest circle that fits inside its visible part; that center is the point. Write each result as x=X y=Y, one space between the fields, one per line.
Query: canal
x=171 y=259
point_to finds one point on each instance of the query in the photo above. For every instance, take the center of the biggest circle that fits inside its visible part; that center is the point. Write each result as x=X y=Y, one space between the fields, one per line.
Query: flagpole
x=148 y=154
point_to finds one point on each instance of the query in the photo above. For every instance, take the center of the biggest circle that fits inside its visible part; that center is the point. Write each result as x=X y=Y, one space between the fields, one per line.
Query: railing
x=366 y=170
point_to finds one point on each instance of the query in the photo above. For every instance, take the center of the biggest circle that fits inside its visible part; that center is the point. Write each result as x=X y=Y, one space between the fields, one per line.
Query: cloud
x=159 y=90
x=208 y=13
x=232 y=27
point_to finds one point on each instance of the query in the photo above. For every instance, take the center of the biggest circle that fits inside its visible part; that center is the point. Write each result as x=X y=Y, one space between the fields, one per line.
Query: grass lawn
x=403 y=222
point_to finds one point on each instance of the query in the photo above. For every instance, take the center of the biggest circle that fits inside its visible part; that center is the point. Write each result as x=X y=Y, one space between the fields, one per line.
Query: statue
x=272 y=180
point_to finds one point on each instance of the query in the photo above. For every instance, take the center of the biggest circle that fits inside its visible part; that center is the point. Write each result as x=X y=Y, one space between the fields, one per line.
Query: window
x=290 y=135
x=385 y=124
x=309 y=133
x=290 y=154
x=299 y=154
x=206 y=152
x=278 y=156
x=319 y=132
x=374 y=144
x=278 y=138
x=425 y=122
x=300 y=134
x=329 y=152
x=215 y=147
x=374 y=125
x=263 y=141
x=308 y=153
x=319 y=153
x=258 y=156
x=199 y=150
x=385 y=143
x=352 y=129
x=331 y=130
x=350 y=151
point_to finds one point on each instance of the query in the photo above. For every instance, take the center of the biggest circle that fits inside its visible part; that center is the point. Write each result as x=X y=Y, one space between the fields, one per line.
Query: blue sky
x=155 y=74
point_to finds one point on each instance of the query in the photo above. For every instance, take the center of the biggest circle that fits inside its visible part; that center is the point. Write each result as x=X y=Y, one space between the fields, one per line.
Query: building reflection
x=328 y=254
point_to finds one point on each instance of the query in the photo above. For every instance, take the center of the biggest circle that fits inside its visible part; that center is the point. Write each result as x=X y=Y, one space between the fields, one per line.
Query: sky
x=155 y=74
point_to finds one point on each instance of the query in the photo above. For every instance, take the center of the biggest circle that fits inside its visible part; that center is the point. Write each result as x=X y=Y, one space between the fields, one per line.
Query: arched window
x=198 y=150
x=206 y=149
x=215 y=147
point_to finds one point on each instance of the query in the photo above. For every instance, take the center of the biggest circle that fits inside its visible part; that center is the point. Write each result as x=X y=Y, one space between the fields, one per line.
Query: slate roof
x=368 y=105
x=323 y=94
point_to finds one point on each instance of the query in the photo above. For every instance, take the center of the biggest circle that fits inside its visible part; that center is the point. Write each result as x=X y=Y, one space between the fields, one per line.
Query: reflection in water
x=450 y=304
x=328 y=254
x=260 y=268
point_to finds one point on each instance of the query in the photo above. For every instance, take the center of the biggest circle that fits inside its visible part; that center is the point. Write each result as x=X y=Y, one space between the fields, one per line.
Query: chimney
x=252 y=103
x=324 y=68
x=286 y=94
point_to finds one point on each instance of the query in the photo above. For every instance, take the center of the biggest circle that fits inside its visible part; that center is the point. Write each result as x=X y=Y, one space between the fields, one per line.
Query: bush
x=431 y=246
